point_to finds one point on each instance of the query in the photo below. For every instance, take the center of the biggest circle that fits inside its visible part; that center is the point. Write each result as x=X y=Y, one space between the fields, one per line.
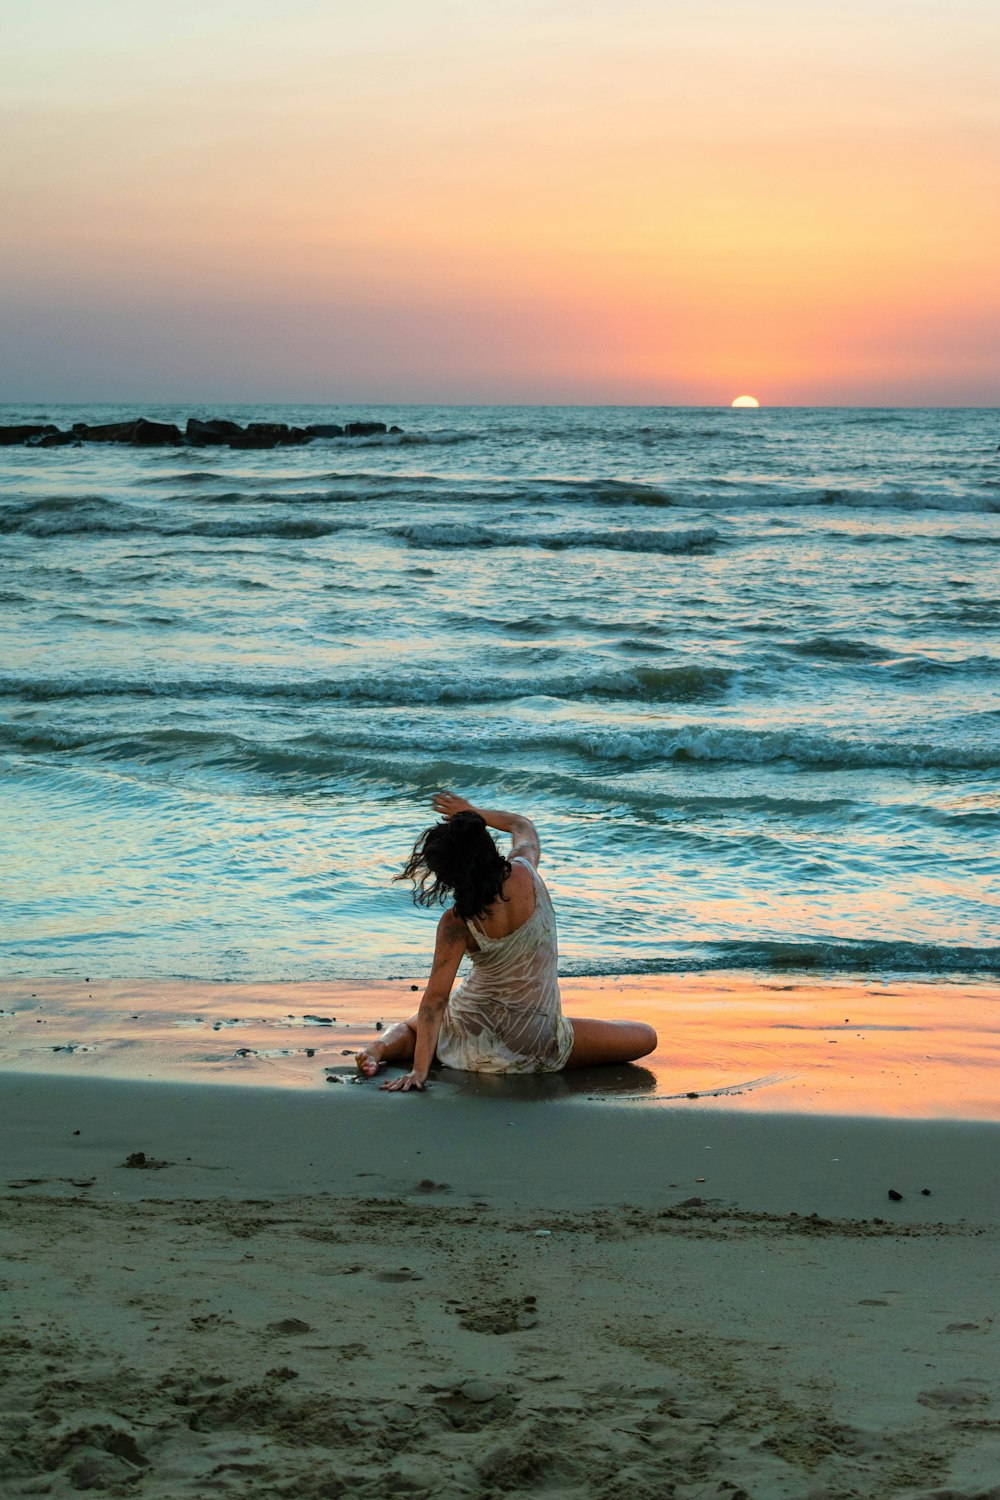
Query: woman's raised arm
x=523 y=833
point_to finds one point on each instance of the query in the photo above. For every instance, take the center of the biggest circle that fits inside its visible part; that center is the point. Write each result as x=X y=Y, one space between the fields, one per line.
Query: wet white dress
x=506 y=1017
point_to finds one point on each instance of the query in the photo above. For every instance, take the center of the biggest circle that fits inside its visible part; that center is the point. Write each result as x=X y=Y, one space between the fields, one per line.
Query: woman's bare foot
x=369 y=1059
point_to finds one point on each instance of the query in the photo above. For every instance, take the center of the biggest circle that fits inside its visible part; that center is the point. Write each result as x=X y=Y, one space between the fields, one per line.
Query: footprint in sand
x=475 y=1404
x=952 y=1398
x=507 y=1315
x=97 y=1456
x=287 y=1326
x=403 y=1274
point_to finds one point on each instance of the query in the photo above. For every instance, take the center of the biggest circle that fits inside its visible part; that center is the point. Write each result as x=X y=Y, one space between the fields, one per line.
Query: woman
x=506 y=1017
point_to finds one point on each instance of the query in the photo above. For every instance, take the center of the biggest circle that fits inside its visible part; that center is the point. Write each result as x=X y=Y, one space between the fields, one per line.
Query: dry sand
x=334 y=1292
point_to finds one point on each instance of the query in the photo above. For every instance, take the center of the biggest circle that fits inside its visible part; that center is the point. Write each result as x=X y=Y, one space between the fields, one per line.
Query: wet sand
x=502 y=1288
x=791 y=1042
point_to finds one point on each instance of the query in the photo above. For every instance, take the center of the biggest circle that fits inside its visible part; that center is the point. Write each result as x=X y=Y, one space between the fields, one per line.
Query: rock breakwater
x=142 y=432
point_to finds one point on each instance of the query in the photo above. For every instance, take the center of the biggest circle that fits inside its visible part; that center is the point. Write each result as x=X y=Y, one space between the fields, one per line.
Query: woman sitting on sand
x=506 y=1016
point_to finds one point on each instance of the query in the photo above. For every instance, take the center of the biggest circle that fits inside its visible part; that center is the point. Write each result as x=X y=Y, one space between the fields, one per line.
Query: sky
x=655 y=201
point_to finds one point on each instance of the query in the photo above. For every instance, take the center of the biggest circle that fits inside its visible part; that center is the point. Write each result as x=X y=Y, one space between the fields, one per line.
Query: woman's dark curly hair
x=457 y=858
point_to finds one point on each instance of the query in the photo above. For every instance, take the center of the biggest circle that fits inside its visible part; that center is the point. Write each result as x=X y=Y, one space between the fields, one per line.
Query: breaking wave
x=410 y=686
x=432 y=536
x=812 y=955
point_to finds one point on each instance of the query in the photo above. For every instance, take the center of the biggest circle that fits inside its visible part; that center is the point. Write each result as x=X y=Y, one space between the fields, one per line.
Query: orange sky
x=545 y=201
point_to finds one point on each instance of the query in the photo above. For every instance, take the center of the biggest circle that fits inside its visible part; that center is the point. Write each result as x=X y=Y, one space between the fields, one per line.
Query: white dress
x=506 y=1016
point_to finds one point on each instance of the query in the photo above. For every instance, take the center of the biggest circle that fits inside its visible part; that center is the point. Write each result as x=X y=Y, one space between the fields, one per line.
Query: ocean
x=740 y=667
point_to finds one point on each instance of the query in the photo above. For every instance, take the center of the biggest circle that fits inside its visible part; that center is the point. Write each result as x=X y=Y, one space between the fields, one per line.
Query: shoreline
x=785 y=1043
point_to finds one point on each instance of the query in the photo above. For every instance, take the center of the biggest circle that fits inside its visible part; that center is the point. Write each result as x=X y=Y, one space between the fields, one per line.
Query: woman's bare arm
x=451 y=944
x=523 y=833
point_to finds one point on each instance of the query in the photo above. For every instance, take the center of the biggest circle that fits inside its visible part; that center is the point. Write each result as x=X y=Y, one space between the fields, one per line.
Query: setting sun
x=746 y=401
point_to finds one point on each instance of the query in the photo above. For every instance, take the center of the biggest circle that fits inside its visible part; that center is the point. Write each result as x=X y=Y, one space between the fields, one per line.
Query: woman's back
x=515 y=905
x=506 y=1017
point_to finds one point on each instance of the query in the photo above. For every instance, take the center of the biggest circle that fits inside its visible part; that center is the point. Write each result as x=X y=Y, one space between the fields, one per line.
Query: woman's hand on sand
x=448 y=804
x=404 y=1085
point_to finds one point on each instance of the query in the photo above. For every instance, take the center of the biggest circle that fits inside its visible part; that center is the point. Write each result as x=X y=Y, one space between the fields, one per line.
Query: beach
x=739 y=669
x=558 y=1286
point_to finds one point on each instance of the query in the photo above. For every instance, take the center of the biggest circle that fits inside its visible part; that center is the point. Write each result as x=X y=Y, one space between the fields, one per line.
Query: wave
x=913 y=664
x=444 y=439
x=864 y=956
x=190 y=476
x=290 y=528
x=731 y=746
x=972 y=613
x=837 y=648
x=605 y=491
x=60 y=515
x=651 y=747
x=432 y=536
x=765 y=494
x=409 y=686
x=916 y=665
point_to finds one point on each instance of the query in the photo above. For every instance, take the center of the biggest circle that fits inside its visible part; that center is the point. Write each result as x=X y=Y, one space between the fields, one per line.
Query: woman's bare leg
x=609 y=1042
x=395 y=1045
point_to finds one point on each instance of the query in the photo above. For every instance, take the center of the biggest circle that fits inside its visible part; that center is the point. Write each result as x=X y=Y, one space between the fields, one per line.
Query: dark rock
x=364 y=429
x=109 y=432
x=395 y=429
x=269 y=435
x=147 y=434
x=21 y=433
x=692 y=1203
x=325 y=429
x=925 y=1192
x=896 y=1197
x=55 y=439
x=201 y=434
x=250 y=439
x=144 y=1163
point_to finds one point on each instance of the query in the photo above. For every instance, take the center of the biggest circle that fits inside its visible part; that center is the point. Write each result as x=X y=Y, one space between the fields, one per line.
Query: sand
x=786 y=1042
x=334 y=1292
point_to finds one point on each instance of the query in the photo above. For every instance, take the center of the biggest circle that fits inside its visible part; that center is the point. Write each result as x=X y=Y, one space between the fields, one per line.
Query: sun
x=746 y=401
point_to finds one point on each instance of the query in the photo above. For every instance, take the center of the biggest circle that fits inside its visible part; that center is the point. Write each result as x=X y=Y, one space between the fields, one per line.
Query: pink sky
x=545 y=201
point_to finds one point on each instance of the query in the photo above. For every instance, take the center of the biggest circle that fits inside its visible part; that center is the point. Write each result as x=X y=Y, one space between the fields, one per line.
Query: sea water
x=740 y=667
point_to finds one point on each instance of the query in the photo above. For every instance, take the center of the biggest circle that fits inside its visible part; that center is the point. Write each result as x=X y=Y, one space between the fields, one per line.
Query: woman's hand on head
x=403 y=1085
x=448 y=804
